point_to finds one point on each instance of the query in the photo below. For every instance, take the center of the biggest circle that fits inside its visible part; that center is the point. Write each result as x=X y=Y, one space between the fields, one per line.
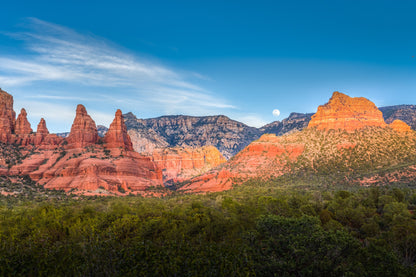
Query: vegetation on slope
x=259 y=228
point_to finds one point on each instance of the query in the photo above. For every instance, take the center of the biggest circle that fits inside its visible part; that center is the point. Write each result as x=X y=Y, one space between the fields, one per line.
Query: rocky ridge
x=295 y=122
x=228 y=136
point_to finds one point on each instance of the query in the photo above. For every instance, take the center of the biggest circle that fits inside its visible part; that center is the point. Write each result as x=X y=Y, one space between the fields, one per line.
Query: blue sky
x=238 y=58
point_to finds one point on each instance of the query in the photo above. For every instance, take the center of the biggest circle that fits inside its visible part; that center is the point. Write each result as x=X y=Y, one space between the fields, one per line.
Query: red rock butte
x=347 y=113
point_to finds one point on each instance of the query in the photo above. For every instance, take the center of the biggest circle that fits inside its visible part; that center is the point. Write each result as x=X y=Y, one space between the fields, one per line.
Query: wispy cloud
x=61 y=55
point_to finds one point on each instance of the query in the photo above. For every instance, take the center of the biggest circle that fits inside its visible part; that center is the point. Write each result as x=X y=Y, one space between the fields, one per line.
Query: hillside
x=335 y=145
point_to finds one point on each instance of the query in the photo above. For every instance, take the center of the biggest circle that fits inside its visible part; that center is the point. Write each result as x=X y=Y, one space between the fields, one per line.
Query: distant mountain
x=100 y=128
x=295 y=122
x=228 y=135
x=406 y=113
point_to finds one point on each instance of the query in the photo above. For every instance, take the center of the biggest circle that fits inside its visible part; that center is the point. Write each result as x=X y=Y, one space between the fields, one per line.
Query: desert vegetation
x=281 y=227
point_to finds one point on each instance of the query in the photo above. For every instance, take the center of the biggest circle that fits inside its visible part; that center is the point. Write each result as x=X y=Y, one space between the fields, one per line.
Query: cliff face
x=267 y=157
x=179 y=164
x=347 y=113
x=227 y=135
x=7 y=116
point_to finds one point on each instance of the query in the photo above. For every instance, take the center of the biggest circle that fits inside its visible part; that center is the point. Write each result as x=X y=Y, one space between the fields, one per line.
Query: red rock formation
x=7 y=116
x=79 y=170
x=180 y=163
x=346 y=113
x=42 y=129
x=43 y=139
x=83 y=130
x=264 y=158
x=116 y=135
x=22 y=124
x=400 y=126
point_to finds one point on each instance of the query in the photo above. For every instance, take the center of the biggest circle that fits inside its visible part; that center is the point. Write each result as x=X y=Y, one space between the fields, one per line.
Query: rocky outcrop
x=22 y=124
x=42 y=129
x=83 y=131
x=43 y=139
x=400 y=126
x=7 y=116
x=178 y=163
x=116 y=136
x=347 y=113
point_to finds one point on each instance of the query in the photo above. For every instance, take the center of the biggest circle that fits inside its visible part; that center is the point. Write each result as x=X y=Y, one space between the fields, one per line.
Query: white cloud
x=61 y=55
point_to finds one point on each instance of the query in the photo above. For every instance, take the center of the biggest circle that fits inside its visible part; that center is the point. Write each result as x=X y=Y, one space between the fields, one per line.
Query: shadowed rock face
x=295 y=122
x=83 y=130
x=228 y=136
x=347 y=113
x=116 y=135
x=7 y=116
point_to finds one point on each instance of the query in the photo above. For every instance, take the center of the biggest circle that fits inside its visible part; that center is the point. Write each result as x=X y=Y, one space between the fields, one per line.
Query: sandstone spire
x=22 y=124
x=42 y=130
x=116 y=135
x=83 y=130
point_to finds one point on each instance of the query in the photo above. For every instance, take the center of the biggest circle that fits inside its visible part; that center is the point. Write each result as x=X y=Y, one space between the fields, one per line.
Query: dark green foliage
x=257 y=229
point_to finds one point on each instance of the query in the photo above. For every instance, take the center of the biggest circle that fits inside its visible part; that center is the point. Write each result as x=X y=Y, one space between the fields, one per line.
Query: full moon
x=276 y=112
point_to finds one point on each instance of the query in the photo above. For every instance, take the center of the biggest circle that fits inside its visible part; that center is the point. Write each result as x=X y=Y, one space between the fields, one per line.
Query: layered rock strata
x=179 y=164
x=347 y=113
